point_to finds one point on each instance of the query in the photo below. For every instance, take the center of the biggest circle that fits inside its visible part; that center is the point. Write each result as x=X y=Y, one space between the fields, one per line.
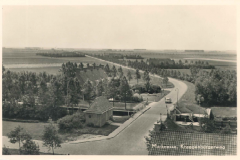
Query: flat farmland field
x=44 y=60
x=49 y=70
x=31 y=60
x=182 y=55
x=42 y=64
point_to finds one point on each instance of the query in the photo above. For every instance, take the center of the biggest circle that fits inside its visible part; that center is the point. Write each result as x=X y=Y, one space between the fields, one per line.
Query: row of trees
x=153 y=63
x=133 y=57
x=64 y=54
x=168 y=64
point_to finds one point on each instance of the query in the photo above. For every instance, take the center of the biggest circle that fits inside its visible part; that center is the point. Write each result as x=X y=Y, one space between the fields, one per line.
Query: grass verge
x=16 y=152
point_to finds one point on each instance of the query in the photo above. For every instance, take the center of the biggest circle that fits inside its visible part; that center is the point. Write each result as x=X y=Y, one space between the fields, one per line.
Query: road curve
x=131 y=140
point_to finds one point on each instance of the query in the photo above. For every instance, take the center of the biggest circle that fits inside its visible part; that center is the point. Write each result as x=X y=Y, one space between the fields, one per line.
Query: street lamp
x=177 y=95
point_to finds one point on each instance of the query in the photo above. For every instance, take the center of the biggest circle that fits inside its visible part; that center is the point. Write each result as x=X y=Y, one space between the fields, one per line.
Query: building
x=190 y=114
x=99 y=112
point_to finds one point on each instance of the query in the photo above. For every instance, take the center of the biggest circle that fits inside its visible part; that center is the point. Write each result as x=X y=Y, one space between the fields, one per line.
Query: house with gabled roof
x=99 y=112
x=189 y=114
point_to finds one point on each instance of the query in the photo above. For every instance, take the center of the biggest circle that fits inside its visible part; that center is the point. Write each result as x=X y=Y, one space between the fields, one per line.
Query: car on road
x=168 y=100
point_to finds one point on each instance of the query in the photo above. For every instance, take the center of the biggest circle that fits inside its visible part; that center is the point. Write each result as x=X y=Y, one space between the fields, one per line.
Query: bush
x=5 y=151
x=29 y=148
x=137 y=99
x=70 y=122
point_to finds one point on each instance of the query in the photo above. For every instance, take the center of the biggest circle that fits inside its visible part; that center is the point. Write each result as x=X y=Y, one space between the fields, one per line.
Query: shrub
x=70 y=122
x=29 y=148
x=5 y=151
x=137 y=99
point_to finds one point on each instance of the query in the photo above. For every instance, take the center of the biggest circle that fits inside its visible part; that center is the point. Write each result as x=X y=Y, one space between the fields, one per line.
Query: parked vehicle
x=168 y=100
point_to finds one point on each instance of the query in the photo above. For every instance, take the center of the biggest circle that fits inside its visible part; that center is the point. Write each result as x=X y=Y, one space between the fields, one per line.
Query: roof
x=224 y=111
x=192 y=109
x=99 y=106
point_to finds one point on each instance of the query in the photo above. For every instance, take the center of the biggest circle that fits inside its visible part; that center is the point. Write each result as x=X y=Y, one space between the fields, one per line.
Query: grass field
x=177 y=55
x=44 y=60
x=189 y=97
x=36 y=130
x=16 y=152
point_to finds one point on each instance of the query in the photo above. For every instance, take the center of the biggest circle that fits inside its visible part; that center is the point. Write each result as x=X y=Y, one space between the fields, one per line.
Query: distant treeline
x=112 y=59
x=118 y=56
x=64 y=54
x=169 y=64
x=134 y=57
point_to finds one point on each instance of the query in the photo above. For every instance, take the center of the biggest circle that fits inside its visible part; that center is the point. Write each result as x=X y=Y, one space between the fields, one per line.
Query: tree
x=138 y=75
x=216 y=87
x=120 y=71
x=147 y=79
x=124 y=89
x=100 y=88
x=50 y=137
x=129 y=76
x=55 y=97
x=75 y=91
x=87 y=91
x=30 y=148
x=81 y=65
x=107 y=69
x=165 y=80
x=114 y=71
x=112 y=89
x=3 y=69
x=194 y=71
x=69 y=69
x=18 y=135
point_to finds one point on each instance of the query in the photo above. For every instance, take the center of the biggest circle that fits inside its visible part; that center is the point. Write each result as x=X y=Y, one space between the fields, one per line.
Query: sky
x=120 y=27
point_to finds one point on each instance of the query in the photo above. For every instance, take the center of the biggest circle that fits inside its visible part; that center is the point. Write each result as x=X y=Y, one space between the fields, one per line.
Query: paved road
x=131 y=140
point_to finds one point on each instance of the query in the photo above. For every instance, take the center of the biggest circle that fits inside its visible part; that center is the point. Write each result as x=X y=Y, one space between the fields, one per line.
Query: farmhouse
x=185 y=115
x=99 y=112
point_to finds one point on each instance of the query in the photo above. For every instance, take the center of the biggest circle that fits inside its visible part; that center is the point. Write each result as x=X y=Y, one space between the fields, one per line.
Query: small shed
x=99 y=112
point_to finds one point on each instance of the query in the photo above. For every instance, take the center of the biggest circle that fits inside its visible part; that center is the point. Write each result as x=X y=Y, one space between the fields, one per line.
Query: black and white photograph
x=119 y=80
